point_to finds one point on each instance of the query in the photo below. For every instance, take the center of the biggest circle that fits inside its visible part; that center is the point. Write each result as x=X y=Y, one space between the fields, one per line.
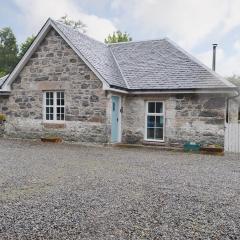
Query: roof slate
x=96 y=53
x=144 y=65
x=160 y=64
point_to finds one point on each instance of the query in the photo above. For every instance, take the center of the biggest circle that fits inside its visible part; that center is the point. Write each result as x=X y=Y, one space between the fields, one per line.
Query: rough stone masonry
x=188 y=117
x=55 y=66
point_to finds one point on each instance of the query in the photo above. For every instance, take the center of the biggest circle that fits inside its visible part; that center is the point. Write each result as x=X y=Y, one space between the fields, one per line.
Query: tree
x=79 y=25
x=118 y=37
x=8 y=50
x=234 y=79
x=24 y=46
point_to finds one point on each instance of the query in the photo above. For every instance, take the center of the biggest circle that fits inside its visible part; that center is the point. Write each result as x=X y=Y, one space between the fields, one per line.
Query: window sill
x=54 y=125
x=152 y=142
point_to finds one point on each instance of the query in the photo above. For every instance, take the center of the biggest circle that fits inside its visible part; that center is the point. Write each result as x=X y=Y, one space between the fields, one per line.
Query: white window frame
x=154 y=114
x=54 y=107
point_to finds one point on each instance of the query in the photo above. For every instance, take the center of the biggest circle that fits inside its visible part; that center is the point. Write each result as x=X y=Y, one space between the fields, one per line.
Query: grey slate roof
x=97 y=54
x=145 y=65
x=160 y=64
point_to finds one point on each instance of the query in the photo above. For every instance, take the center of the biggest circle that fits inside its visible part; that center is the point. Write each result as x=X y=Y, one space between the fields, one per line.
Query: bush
x=2 y=117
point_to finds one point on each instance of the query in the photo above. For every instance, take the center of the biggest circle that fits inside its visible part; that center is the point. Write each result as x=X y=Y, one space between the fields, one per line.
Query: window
x=54 y=106
x=155 y=121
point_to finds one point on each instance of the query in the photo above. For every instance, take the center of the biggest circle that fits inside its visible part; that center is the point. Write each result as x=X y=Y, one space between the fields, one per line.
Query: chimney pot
x=214 y=57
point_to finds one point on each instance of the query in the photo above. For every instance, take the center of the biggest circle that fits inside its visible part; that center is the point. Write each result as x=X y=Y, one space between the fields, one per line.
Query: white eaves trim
x=208 y=91
x=41 y=35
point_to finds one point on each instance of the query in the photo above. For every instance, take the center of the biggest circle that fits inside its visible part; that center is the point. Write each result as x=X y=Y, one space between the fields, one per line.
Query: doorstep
x=158 y=146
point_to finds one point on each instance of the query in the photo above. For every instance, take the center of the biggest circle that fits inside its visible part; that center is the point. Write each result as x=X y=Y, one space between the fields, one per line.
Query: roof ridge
x=120 y=70
x=225 y=81
x=74 y=29
x=137 y=41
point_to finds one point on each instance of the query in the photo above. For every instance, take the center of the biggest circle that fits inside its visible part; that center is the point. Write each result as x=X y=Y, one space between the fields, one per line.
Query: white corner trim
x=106 y=88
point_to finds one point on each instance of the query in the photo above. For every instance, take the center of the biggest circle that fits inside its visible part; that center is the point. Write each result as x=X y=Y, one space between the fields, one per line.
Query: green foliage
x=79 y=25
x=24 y=46
x=8 y=50
x=118 y=37
x=234 y=79
x=2 y=73
x=2 y=117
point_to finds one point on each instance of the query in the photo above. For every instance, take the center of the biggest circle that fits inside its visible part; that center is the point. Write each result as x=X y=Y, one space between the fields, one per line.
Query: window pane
x=55 y=112
x=150 y=121
x=151 y=107
x=159 y=133
x=159 y=121
x=159 y=107
x=150 y=133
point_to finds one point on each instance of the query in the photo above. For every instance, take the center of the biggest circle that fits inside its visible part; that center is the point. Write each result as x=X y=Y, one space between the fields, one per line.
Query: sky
x=193 y=24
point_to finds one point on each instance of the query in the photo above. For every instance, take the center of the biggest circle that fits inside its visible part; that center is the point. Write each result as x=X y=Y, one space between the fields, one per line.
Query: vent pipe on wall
x=214 y=57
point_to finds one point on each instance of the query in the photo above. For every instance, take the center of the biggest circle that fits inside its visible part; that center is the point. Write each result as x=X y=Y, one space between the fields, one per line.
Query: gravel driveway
x=65 y=191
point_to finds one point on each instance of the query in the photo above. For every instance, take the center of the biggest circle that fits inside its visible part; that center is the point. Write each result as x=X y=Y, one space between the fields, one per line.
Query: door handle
x=117 y=119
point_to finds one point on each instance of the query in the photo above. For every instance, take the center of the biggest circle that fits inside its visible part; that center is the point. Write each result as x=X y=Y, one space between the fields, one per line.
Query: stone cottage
x=72 y=86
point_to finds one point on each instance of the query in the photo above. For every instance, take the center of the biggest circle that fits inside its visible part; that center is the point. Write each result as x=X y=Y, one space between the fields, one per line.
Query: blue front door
x=115 y=118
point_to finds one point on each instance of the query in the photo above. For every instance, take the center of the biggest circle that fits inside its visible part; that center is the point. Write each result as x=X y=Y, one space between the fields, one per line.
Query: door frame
x=119 y=119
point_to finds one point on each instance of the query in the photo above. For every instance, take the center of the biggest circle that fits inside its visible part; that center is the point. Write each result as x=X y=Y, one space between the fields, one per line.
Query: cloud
x=186 y=21
x=230 y=66
x=232 y=16
x=35 y=13
x=206 y=57
x=236 y=45
x=225 y=65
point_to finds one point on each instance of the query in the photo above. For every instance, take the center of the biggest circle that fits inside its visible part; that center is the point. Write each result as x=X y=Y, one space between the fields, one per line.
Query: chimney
x=214 y=57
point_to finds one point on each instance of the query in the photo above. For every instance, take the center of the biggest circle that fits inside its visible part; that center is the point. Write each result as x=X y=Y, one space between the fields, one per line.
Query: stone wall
x=188 y=117
x=55 y=66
